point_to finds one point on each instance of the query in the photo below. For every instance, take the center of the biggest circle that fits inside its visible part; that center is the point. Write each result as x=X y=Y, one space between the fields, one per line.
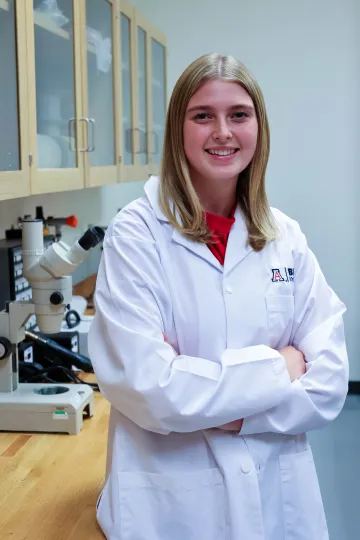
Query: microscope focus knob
x=56 y=298
x=5 y=348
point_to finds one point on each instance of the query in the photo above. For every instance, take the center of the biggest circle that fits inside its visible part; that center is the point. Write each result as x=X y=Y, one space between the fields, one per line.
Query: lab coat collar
x=151 y=189
x=236 y=250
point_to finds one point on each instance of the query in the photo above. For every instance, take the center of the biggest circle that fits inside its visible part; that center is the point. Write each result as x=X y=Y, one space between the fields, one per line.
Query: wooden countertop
x=49 y=483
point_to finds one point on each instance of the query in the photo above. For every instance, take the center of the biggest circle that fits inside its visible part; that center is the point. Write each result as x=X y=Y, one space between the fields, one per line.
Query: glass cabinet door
x=13 y=132
x=158 y=88
x=55 y=87
x=101 y=133
x=9 y=112
x=57 y=161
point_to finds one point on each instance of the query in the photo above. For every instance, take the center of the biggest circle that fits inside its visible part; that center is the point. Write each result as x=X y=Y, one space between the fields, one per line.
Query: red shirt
x=220 y=228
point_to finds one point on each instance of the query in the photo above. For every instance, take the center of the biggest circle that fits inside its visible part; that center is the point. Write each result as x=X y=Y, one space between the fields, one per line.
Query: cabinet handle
x=140 y=151
x=156 y=139
x=72 y=134
x=92 y=122
x=86 y=120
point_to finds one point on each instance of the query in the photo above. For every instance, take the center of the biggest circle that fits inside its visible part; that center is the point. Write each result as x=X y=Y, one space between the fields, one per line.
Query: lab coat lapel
x=237 y=248
x=201 y=250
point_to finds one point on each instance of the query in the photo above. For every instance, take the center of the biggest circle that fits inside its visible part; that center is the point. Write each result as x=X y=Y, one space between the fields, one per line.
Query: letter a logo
x=276 y=275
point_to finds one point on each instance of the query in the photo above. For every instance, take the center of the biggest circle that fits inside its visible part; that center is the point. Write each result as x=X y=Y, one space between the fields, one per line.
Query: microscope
x=42 y=407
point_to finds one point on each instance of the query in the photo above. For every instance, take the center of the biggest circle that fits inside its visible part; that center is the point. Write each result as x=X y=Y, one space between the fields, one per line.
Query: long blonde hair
x=177 y=197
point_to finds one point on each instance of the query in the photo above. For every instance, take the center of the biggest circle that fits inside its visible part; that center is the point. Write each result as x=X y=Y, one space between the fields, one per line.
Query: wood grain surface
x=49 y=483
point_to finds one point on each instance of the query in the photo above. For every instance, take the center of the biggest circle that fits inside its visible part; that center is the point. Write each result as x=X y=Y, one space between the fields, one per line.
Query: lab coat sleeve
x=318 y=332
x=141 y=375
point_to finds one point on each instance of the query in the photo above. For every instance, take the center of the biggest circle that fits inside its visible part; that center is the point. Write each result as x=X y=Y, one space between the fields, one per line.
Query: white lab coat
x=170 y=474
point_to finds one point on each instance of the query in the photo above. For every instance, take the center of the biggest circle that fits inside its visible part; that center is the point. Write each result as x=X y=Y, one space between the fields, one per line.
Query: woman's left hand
x=236 y=425
x=168 y=342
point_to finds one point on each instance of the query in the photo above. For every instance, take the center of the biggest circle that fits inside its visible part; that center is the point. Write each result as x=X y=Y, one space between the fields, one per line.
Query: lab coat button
x=228 y=289
x=246 y=468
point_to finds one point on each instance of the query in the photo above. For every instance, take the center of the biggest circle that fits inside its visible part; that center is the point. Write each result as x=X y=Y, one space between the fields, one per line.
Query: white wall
x=306 y=58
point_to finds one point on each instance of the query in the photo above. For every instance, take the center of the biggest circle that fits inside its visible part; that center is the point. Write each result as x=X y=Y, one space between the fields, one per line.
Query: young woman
x=207 y=428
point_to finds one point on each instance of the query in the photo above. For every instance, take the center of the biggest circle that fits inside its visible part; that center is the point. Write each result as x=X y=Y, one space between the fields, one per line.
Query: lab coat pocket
x=179 y=506
x=304 y=517
x=280 y=314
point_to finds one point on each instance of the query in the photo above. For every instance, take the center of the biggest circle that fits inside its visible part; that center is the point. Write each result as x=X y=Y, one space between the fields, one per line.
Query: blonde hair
x=177 y=197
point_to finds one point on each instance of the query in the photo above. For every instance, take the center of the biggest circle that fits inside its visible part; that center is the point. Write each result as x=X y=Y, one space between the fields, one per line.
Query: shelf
x=46 y=23
x=4 y=4
x=43 y=21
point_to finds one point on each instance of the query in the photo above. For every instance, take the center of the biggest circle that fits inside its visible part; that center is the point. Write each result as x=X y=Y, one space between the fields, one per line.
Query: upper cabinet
x=84 y=95
x=14 y=136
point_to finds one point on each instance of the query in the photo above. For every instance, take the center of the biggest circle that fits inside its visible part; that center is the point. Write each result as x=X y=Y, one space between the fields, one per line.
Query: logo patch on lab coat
x=287 y=274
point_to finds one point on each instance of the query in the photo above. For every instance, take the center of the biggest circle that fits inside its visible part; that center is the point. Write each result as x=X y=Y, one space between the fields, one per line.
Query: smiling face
x=220 y=132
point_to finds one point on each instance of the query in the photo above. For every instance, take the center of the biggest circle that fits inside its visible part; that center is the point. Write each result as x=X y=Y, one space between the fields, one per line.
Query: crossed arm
x=295 y=363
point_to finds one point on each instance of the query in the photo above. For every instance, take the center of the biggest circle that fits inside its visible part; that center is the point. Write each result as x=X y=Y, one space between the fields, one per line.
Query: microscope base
x=46 y=408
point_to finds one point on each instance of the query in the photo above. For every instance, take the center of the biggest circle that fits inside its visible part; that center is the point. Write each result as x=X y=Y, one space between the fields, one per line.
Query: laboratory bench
x=49 y=483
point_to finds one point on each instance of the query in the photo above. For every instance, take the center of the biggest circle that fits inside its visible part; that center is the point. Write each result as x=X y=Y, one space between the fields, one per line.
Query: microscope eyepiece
x=91 y=238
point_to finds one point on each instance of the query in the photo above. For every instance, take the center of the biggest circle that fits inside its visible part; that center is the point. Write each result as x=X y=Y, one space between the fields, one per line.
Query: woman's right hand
x=295 y=362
